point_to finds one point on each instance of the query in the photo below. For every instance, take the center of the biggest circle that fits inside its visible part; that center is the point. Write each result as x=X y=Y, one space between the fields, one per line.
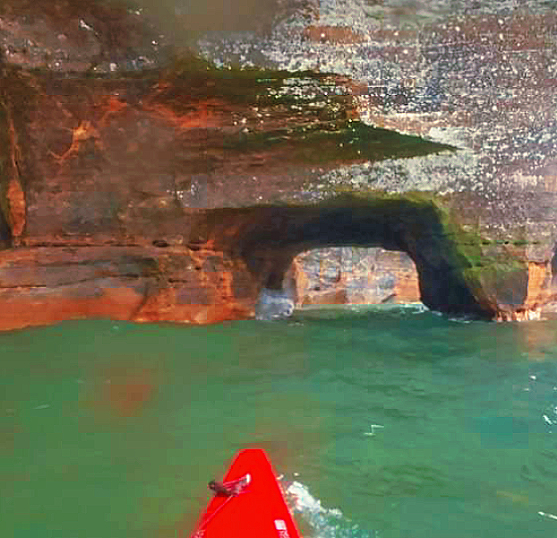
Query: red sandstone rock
x=136 y=197
x=77 y=36
x=43 y=285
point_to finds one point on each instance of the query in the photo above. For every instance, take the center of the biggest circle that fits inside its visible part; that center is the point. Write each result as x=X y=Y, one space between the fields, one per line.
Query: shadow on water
x=409 y=324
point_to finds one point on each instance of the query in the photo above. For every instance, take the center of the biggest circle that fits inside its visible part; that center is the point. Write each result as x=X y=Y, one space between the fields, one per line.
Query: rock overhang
x=249 y=166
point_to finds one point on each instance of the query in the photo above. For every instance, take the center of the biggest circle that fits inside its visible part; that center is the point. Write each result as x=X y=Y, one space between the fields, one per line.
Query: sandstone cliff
x=138 y=184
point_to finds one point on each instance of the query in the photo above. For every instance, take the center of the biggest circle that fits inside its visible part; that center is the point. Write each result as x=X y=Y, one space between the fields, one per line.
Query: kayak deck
x=248 y=503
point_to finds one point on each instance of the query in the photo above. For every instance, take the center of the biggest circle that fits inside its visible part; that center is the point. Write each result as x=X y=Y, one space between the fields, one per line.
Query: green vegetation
x=247 y=85
x=482 y=264
x=485 y=264
x=313 y=107
x=340 y=141
x=191 y=65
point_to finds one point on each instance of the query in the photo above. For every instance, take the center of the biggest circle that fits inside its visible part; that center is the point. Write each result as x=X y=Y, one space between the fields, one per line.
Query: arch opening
x=352 y=275
x=274 y=236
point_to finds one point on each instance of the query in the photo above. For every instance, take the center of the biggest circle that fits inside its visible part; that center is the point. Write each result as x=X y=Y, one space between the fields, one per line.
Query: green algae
x=340 y=141
x=354 y=140
x=252 y=85
x=314 y=108
x=190 y=65
x=485 y=274
x=313 y=111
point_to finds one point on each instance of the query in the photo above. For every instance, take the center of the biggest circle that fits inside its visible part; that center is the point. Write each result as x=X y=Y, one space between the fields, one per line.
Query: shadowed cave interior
x=268 y=239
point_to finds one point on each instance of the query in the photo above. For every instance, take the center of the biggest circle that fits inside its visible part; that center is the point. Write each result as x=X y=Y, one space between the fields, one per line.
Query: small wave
x=391 y=308
x=323 y=522
x=456 y=318
x=273 y=305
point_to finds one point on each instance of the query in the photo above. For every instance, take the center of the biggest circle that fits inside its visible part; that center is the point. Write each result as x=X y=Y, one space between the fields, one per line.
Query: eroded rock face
x=479 y=75
x=351 y=275
x=136 y=188
x=41 y=285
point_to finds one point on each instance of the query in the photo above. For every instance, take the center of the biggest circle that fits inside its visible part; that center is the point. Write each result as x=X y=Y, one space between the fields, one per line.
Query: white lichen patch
x=443 y=173
x=438 y=69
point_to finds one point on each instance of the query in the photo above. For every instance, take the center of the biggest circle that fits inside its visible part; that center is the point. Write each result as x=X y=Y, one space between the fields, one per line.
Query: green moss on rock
x=497 y=278
x=340 y=141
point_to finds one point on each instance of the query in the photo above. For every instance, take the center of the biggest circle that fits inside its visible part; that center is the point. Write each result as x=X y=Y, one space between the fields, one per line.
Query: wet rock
x=350 y=275
x=42 y=285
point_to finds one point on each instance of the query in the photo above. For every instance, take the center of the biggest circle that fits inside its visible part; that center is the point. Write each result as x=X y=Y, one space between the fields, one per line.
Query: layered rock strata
x=42 y=285
x=351 y=275
x=159 y=190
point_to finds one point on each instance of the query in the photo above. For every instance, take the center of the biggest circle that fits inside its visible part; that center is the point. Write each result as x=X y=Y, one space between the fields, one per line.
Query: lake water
x=112 y=430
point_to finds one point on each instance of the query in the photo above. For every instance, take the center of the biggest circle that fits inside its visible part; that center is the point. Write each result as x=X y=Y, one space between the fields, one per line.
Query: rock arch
x=270 y=237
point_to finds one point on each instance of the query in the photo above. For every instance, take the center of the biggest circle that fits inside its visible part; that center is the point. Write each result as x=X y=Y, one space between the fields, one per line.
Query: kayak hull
x=253 y=507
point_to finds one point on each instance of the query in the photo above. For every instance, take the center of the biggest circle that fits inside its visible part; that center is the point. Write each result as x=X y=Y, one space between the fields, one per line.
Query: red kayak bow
x=248 y=503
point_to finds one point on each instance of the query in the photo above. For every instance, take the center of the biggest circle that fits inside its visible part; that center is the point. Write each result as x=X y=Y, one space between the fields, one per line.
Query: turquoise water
x=113 y=430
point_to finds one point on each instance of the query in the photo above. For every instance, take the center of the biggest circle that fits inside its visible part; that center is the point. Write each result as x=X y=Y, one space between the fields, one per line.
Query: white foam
x=324 y=522
x=273 y=304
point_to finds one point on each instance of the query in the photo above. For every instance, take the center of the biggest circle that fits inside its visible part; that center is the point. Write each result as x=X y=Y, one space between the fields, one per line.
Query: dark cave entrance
x=268 y=239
